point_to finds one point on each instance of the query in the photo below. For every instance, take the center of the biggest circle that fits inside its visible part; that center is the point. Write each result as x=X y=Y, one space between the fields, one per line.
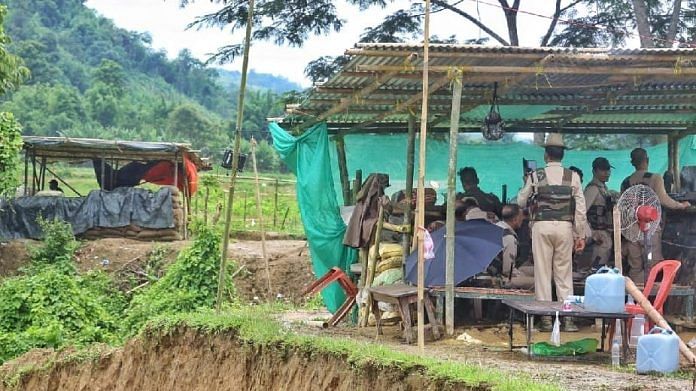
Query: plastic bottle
x=616 y=346
x=637 y=329
x=615 y=353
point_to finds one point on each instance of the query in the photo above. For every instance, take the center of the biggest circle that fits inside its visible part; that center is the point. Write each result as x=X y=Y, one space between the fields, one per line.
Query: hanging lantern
x=493 y=125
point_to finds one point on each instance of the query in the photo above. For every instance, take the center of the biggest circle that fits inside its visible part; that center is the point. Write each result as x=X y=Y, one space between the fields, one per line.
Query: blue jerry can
x=605 y=291
x=658 y=351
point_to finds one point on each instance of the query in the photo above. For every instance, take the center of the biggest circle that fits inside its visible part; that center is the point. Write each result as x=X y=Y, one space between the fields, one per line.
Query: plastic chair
x=669 y=269
x=336 y=275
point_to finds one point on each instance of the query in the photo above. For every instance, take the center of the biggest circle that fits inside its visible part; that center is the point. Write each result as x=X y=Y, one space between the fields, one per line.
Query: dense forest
x=90 y=78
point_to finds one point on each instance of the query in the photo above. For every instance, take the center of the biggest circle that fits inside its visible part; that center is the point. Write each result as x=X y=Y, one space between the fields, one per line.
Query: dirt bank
x=289 y=262
x=190 y=360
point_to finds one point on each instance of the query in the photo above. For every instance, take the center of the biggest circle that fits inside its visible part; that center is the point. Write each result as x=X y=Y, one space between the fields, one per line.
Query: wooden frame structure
x=567 y=90
x=39 y=152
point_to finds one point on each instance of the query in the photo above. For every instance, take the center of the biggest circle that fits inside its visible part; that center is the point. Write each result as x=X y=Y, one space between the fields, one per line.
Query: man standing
x=599 y=212
x=513 y=277
x=557 y=209
x=639 y=160
x=487 y=202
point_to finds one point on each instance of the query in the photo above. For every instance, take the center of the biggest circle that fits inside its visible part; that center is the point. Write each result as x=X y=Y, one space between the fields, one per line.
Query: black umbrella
x=477 y=243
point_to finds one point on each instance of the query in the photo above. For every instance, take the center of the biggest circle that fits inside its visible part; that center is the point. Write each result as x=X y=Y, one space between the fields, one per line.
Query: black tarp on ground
x=109 y=209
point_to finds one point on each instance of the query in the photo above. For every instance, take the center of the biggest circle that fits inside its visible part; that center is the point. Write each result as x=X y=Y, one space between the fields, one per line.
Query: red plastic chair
x=351 y=291
x=669 y=269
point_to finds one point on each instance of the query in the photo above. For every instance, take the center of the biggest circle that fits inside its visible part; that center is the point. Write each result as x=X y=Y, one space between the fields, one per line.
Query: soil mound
x=191 y=360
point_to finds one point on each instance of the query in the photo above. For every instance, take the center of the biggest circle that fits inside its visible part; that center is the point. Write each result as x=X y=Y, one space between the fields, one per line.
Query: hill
x=90 y=78
x=262 y=81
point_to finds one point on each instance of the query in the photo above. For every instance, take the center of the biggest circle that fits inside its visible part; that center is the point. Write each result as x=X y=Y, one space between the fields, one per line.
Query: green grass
x=254 y=325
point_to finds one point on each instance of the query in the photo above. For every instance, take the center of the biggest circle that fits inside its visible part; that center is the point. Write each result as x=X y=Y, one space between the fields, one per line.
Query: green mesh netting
x=496 y=164
x=308 y=157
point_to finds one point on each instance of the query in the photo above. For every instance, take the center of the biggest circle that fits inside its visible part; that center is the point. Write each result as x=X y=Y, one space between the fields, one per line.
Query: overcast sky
x=166 y=22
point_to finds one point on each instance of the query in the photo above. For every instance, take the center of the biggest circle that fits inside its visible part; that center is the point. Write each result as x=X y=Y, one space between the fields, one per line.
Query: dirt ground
x=487 y=346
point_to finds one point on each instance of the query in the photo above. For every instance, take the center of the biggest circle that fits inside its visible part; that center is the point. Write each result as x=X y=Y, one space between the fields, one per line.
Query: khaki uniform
x=552 y=241
x=596 y=198
x=522 y=277
x=634 y=250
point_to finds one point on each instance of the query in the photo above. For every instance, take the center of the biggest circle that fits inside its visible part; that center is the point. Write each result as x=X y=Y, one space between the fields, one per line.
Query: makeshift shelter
x=574 y=91
x=117 y=209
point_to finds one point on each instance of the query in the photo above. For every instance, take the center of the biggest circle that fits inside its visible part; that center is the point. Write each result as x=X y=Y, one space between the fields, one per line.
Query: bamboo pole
x=410 y=152
x=420 y=219
x=259 y=214
x=372 y=264
x=451 y=173
x=618 y=260
x=235 y=159
x=677 y=165
x=655 y=316
x=343 y=169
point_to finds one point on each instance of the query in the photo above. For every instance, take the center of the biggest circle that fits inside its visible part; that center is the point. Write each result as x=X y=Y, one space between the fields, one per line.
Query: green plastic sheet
x=307 y=156
x=572 y=348
x=497 y=164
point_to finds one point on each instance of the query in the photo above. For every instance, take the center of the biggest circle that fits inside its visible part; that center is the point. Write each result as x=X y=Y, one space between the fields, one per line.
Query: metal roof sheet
x=382 y=82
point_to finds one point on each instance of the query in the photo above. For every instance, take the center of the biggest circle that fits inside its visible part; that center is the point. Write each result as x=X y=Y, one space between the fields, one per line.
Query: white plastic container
x=637 y=330
x=658 y=351
x=605 y=291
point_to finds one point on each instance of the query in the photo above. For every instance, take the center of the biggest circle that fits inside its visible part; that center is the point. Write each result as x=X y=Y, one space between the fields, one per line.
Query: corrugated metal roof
x=378 y=81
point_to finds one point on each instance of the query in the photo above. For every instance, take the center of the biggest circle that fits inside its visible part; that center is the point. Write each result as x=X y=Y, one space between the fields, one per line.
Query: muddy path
x=488 y=347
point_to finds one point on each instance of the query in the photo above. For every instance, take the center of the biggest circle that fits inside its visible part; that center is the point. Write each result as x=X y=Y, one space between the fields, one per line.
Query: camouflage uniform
x=599 y=215
x=513 y=277
x=559 y=218
x=488 y=202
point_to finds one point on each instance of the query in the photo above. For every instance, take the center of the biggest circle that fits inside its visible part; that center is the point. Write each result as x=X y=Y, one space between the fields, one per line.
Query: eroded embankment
x=192 y=359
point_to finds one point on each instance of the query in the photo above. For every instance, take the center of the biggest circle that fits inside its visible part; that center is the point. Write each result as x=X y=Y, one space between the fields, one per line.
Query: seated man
x=53 y=185
x=521 y=277
x=488 y=202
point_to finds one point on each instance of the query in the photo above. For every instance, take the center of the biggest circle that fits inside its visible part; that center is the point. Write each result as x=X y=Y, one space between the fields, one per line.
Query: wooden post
x=26 y=172
x=677 y=165
x=372 y=264
x=451 y=184
x=275 y=203
x=259 y=213
x=187 y=198
x=205 y=205
x=420 y=208
x=618 y=260
x=410 y=152
x=176 y=170
x=670 y=161
x=235 y=158
x=42 y=173
x=343 y=169
x=103 y=168
x=357 y=185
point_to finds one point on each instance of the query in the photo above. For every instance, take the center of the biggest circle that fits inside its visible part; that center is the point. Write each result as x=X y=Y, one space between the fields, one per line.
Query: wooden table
x=403 y=296
x=477 y=294
x=549 y=308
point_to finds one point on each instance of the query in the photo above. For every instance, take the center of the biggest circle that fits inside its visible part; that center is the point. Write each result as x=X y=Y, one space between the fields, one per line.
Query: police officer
x=487 y=202
x=558 y=224
x=639 y=160
x=599 y=212
x=513 y=277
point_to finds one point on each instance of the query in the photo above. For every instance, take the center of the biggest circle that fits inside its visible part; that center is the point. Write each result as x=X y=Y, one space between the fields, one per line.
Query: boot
x=546 y=324
x=569 y=325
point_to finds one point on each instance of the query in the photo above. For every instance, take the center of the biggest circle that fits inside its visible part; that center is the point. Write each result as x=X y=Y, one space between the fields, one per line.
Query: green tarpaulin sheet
x=307 y=157
x=497 y=164
x=572 y=348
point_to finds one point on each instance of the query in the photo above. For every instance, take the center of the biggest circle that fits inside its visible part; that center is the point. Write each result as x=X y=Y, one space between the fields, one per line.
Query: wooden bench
x=403 y=296
x=478 y=294
x=684 y=291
